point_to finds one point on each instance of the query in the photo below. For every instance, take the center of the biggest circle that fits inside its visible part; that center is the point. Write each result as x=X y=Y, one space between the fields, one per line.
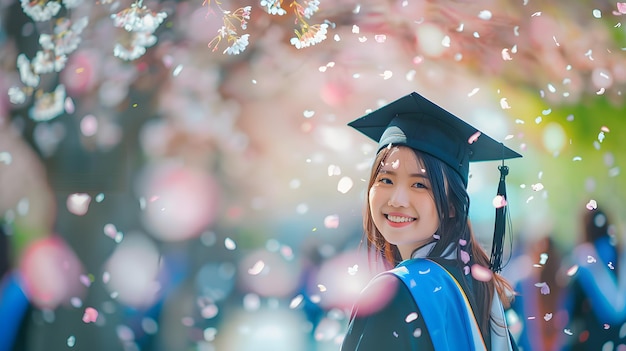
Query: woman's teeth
x=400 y=219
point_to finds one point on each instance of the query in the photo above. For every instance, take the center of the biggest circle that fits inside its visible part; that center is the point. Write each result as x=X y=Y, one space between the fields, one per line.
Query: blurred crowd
x=161 y=192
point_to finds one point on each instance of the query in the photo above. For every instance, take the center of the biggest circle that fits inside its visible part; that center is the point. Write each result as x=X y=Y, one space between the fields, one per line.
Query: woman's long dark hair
x=452 y=202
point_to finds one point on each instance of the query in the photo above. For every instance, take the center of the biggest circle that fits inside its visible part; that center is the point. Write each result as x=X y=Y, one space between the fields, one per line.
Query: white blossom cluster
x=140 y=23
x=51 y=58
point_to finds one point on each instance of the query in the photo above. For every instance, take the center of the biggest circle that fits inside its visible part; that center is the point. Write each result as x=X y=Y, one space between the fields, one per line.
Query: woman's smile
x=399 y=220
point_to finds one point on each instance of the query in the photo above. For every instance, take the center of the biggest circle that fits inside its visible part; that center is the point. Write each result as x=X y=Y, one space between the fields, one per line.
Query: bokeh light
x=51 y=272
x=132 y=271
x=180 y=202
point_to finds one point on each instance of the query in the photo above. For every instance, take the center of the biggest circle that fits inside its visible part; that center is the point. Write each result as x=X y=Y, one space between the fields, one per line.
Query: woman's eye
x=385 y=180
x=420 y=185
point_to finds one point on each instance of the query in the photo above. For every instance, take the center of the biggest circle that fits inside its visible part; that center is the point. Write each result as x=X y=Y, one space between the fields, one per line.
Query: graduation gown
x=597 y=298
x=386 y=315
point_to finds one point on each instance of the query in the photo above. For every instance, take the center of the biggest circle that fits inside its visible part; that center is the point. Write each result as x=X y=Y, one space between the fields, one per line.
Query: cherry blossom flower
x=66 y=36
x=135 y=46
x=311 y=8
x=17 y=95
x=310 y=35
x=238 y=46
x=138 y=18
x=41 y=10
x=47 y=62
x=49 y=105
x=229 y=31
x=273 y=7
x=27 y=74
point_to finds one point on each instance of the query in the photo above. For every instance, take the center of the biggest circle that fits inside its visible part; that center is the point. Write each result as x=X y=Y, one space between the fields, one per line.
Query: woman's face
x=401 y=202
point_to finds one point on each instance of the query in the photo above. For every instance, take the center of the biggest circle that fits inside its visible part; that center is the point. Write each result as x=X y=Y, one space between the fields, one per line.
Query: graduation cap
x=416 y=122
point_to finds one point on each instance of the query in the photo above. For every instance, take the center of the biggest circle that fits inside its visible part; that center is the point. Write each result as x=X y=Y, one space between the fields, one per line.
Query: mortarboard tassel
x=499 y=228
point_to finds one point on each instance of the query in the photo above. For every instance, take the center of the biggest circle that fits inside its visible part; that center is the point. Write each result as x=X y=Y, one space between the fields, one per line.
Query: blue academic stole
x=444 y=306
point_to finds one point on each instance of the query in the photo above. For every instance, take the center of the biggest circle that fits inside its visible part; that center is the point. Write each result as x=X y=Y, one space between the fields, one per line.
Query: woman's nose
x=399 y=198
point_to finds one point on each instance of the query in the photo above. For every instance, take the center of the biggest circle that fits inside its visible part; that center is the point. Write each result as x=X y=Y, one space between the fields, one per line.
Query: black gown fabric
x=388 y=328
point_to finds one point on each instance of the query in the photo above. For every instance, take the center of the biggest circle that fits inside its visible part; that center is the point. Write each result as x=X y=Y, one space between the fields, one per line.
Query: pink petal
x=91 y=315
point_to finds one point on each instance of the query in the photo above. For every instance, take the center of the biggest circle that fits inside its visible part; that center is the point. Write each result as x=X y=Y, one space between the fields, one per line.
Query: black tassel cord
x=500 y=225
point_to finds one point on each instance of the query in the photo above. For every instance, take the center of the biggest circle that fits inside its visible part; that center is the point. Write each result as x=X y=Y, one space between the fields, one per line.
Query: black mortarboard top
x=417 y=122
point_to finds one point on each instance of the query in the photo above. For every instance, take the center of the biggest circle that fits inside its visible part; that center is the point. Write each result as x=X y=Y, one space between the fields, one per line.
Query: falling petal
x=331 y=221
x=445 y=42
x=209 y=334
x=411 y=317
x=76 y=302
x=85 y=280
x=71 y=341
x=353 y=269
x=499 y=201
x=481 y=273
x=543 y=258
x=504 y=104
x=597 y=13
x=485 y=15
x=177 y=70
x=505 y=55
x=344 y=185
x=69 y=105
x=547 y=316
x=110 y=230
x=78 y=203
x=572 y=270
x=90 y=315
x=334 y=170
x=257 y=268
x=591 y=205
x=296 y=301
x=472 y=139
x=230 y=244
x=89 y=125
x=544 y=288
x=465 y=257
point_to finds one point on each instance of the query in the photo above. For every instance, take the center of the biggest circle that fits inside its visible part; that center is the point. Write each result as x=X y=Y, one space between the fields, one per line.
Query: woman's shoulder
x=379 y=293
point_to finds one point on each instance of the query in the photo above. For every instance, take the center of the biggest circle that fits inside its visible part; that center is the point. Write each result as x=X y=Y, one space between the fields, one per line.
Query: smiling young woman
x=438 y=296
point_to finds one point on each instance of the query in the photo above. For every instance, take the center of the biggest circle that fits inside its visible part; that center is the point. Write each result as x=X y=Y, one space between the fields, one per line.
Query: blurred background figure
x=539 y=294
x=597 y=290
